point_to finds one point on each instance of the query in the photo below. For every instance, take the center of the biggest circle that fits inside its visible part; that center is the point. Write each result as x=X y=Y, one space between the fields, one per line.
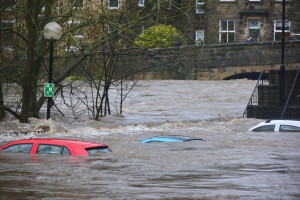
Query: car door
x=57 y=148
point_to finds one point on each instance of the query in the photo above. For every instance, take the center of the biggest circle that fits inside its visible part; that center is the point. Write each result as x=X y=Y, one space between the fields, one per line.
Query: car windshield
x=95 y=150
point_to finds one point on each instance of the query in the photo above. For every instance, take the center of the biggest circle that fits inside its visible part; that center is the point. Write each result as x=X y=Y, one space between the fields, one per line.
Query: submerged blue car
x=170 y=138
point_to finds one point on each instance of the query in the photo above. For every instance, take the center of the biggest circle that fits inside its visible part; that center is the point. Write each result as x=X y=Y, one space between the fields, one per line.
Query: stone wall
x=209 y=62
x=212 y=62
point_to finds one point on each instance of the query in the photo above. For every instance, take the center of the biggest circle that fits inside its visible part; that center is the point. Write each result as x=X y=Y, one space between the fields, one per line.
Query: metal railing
x=254 y=95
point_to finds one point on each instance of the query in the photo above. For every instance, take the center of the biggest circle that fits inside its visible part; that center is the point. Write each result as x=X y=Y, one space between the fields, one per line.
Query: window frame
x=8 y=46
x=197 y=37
x=275 y=30
x=141 y=3
x=111 y=28
x=11 y=5
x=226 y=31
x=142 y=29
x=72 y=46
x=199 y=6
x=169 y=6
x=113 y=8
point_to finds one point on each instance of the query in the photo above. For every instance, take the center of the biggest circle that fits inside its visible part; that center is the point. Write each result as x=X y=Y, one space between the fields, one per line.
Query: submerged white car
x=277 y=125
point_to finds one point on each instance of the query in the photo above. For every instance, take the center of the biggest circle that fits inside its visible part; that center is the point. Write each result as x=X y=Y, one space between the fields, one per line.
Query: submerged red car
x=55 y=146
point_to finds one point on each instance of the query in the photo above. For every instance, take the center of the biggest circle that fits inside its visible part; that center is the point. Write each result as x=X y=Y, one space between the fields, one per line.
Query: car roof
x=283 y=121
x=277 y=121
x=170 y=138
x=84 y=144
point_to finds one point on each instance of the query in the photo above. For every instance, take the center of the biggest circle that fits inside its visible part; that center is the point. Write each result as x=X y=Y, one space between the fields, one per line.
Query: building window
x=141 y=3
x=111 y=28
x=254 y=30
x=76 y=38
x=169 y=6
x=226 y=0
x=278 y=26
x=7 y=39
x=199 y=37
x=7 y=5
x=142 y=30
x=200 y=6
x=254 y=0
x=113 y=4
x=226 y=31
x=76 y=3
x=278 y=29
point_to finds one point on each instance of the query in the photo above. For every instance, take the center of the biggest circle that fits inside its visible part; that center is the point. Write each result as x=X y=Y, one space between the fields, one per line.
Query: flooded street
x=230 y=162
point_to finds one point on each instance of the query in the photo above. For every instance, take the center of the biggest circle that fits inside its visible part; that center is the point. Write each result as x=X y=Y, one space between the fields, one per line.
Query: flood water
x=230 y=162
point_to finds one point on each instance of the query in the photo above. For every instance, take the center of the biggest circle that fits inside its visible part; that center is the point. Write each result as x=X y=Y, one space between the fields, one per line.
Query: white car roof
x=282 y=121
x=277 y=121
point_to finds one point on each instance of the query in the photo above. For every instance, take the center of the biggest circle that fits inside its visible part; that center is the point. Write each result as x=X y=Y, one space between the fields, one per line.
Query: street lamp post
x=282 y=66
x=52 y=32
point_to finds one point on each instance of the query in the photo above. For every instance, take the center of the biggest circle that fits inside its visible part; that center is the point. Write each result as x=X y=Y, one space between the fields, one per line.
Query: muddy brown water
x=230 y=162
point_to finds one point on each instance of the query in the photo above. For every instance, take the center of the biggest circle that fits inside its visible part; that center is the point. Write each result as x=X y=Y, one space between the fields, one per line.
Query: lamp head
x=52 y=31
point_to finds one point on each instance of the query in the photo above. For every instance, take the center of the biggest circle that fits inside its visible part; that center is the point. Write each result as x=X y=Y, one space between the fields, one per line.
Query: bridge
x=211 y=62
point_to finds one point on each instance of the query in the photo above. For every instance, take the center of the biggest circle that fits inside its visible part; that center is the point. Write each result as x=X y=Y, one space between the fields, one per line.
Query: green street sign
x=49 y=90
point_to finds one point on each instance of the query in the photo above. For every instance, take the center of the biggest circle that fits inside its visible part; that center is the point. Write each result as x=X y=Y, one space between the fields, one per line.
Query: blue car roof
x=170 y=138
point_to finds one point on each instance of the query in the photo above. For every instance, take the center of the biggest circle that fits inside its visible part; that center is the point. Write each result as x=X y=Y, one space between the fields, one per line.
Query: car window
x=93 y=151
x=264 y=128
x=289 y=128
x=52 y=149
x=19 y=148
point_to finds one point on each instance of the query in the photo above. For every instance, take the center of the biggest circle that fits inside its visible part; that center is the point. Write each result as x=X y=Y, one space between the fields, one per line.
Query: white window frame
x=78 y=37
x=12 y=7
x=226 y=0
x=226 y=31
x=169 y=5
x=254 y=27
x=12 y=22
x=112 y=8
x=280 y=30
x=199 y=34
x=110 y=28
x=199 y=4
x=141 y=3
x=142 y=30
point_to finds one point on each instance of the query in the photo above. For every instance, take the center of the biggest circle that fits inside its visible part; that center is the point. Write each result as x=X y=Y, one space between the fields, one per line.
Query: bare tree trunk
x=31 y=19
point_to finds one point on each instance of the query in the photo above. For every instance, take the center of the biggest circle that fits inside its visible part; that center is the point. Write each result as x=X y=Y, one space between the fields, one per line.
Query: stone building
x=235 y=20
x=200 y=21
